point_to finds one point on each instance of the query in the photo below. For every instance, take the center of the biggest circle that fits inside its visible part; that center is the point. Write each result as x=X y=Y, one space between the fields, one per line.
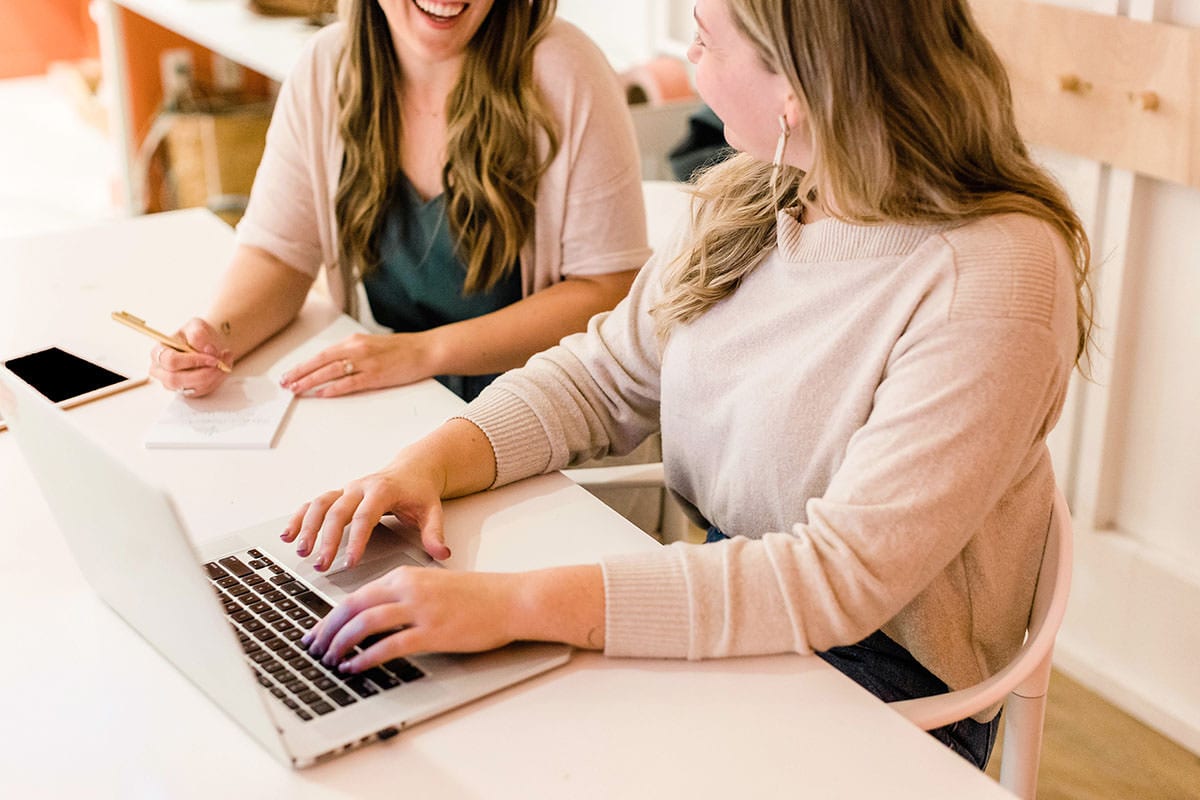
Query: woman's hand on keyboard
x=419 y=610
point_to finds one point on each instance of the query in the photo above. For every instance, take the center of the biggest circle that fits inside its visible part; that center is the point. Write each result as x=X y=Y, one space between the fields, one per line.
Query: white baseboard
x=1132 y=633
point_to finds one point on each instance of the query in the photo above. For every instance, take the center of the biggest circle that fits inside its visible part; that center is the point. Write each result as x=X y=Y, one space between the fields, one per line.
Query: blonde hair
x=501 y=137
x=912 y=122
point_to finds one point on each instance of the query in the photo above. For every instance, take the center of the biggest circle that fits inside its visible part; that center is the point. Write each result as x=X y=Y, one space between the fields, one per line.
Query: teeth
x=444 y=10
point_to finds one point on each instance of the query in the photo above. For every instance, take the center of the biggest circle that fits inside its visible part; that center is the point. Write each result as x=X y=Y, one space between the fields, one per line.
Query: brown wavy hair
x=501 y=137
x=912 y=121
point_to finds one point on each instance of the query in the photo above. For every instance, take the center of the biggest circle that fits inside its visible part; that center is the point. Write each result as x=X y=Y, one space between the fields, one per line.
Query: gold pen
x=173 y=342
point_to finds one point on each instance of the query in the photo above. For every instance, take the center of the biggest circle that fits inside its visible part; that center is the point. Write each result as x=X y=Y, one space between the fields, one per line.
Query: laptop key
x=315 y=603
x=341 y=697
x=235 y=565
x=282 y=602
x=404 y=670
x=384 y=680
x=281 y=578
x=214 y=571
x=255 y=552
x=294 y=588
x=304 y=715
x=321 y=707
x=359 y=686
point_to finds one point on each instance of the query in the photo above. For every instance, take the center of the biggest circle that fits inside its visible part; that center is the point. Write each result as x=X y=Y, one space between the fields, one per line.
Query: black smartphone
x=67 y=379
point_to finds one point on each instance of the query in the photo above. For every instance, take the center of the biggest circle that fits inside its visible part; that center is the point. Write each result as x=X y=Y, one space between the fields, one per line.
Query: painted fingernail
x=302 y=551
x=306 y=639
x=345 y=666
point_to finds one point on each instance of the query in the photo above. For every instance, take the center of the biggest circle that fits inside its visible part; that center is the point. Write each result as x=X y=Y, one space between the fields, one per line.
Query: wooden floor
x=1093 y=751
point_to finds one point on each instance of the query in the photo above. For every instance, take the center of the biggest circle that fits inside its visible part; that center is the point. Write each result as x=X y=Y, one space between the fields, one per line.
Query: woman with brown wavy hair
x=464 y=171
x=854 y=355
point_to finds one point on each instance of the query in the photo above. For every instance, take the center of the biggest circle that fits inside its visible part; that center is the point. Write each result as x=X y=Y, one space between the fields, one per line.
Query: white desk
x=131 y=726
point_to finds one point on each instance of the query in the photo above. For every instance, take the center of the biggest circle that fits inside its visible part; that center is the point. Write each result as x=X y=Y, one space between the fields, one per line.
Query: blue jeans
x=888 y=671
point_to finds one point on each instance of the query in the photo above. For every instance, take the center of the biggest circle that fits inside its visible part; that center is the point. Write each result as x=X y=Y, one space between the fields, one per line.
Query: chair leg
x=1023 y=721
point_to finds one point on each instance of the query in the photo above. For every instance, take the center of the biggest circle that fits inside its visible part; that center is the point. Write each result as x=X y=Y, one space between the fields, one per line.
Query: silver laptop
x=229 y=616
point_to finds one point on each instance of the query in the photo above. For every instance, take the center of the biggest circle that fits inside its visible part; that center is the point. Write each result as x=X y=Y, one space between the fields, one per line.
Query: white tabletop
x=92 y=710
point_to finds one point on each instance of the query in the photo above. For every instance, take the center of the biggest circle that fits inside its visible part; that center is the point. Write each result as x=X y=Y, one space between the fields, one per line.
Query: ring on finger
x=158 y=354
x=186 y=391
x=347 y=367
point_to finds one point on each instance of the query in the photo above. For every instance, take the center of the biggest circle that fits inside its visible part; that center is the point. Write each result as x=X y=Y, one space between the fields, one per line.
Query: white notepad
x=242 y=413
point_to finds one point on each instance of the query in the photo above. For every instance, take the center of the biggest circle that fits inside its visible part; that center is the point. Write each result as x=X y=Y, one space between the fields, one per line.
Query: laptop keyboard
x=270 y=609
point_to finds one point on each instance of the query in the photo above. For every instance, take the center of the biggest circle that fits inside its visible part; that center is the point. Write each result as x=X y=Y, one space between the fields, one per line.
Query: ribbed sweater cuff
x=646 y=606
x=516 y=435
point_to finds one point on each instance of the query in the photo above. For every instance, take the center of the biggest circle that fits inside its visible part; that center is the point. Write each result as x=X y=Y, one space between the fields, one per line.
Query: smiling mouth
x=440 y=11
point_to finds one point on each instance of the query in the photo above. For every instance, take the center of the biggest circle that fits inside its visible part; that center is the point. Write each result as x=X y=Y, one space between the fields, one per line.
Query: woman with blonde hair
x=854 y=355
x=466 y=171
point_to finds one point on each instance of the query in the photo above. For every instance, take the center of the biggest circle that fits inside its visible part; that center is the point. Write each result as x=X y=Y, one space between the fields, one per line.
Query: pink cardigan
x=590 y=214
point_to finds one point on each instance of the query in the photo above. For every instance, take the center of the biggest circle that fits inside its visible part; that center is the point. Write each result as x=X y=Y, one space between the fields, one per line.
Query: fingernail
x=344 y=563
x=345 y=666
x=306 y=639
x=302 y=551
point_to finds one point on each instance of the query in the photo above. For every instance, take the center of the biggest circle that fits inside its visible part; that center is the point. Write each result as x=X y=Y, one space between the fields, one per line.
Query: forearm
x=457 y=455
x=562 y=604
x=505 y=339
x=258 y=297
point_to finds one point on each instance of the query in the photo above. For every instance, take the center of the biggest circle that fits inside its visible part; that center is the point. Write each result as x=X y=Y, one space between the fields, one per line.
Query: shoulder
x=318 y=59
x=567 y=60
x=1007 y=265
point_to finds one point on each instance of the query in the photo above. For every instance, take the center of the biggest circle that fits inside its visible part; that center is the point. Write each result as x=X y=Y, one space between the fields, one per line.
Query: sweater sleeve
x=281 y=217
x=595 y=394
x=603 y=214
x=959 y=416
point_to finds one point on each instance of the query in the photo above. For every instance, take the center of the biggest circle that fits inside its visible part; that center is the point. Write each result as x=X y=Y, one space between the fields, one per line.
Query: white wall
x=1128 y=448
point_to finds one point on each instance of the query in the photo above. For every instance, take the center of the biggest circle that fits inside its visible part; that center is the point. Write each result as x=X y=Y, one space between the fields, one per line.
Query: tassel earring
x=777 y=163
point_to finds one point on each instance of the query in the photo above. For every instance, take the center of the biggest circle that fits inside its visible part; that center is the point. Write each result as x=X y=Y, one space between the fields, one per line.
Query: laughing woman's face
x=434 y=30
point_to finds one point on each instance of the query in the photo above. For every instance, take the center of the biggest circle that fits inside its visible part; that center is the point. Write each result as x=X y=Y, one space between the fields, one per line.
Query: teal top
x=418 y=284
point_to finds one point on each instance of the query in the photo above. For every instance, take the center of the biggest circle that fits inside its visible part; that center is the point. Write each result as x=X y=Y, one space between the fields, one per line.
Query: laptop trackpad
x=386 y=550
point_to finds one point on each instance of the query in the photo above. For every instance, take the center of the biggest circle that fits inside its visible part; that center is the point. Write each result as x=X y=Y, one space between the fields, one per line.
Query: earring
x=777 y=163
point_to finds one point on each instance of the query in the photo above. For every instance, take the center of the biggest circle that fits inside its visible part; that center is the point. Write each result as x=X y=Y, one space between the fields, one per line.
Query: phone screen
x=60 y=375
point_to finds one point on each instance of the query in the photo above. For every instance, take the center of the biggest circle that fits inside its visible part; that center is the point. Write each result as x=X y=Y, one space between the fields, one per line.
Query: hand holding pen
x=192 y=361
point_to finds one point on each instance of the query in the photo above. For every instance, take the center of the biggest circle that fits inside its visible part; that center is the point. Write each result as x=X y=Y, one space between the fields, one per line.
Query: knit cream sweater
x=866 y=415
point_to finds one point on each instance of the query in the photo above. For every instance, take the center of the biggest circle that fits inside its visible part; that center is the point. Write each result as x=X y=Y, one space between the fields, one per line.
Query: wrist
x=430 y=351
x=560 y=604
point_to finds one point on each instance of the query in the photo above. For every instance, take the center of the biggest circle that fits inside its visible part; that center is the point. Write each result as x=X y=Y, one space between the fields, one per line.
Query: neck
x=426 y=84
